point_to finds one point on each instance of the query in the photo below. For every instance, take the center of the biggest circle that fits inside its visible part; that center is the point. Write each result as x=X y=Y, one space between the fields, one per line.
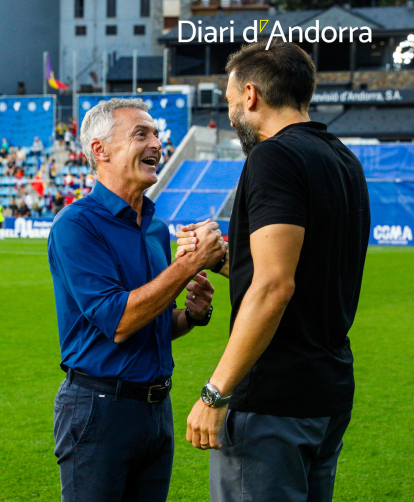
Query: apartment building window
x=111 y=30
x=110 y=8
x=80 y=30
x=145 y=8
x=139 y=29
x=79 y=5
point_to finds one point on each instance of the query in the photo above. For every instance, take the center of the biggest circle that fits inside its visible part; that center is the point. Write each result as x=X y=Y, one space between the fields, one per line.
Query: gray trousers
x=265 y=458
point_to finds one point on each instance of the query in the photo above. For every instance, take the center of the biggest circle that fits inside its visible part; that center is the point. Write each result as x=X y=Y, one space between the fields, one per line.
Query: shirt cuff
x=109 y=313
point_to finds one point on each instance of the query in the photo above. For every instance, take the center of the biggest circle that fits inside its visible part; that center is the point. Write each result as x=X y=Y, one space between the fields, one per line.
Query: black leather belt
x=142 y=392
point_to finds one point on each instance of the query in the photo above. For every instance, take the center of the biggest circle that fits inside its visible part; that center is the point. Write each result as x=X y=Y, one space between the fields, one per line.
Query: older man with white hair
x=115 y=288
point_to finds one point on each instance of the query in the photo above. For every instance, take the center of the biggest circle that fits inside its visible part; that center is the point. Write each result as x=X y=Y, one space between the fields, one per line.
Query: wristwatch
x=212 y=398
x=198 y=322
x=220 y=264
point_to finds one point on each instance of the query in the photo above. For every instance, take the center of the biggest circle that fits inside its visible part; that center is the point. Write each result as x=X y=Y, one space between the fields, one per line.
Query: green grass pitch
x=377 y=462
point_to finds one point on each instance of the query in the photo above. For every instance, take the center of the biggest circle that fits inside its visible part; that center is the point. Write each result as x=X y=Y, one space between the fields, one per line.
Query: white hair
x=99 y=123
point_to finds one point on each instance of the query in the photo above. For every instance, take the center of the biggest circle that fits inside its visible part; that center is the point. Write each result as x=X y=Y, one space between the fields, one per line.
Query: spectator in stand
x=72 y=156
x=168 y=150
x=21 y=89
x=3 y=153
x=212 y=124
x=35 y=210
x=8 y=213
x=37 y=147
x=41 y=204
x=4 y=145
x=73 y=127
x=89 y=181
x=68 y=180
x=78 y=146
x=60 y=131
x=68 y=138
x=58 y=202
x=23 y=211
x=1 y=221
x=20 y=156
x=28 y=200
x=10 y=167
x=52 y=169
x=14 y=208
x=49 y=202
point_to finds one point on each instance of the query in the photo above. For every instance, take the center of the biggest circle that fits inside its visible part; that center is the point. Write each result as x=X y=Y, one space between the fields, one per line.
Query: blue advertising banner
x=24 y=117
x=392 y=213
x=32 y=228
x=169 y=111
x=387 y=161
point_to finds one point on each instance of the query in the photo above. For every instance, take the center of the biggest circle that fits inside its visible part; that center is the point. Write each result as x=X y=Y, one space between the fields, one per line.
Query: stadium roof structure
x=149 y=68
x=390 y=20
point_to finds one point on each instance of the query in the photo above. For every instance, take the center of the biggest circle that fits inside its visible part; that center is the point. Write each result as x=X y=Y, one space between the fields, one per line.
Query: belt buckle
x=149 y=399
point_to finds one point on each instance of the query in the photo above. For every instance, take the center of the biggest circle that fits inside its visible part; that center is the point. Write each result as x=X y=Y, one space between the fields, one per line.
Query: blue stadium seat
x=74 y=170
x=221 y=174
x=187 y=174
x=31 y=161
x=64 y=171
x=167 y=203
x=198 y=206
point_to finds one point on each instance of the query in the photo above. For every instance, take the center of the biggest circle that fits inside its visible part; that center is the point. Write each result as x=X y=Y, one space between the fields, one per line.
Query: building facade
x=27 y=29
x=110 y=29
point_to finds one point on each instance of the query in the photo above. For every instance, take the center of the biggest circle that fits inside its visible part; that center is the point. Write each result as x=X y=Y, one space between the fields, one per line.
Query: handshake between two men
x=206 y=418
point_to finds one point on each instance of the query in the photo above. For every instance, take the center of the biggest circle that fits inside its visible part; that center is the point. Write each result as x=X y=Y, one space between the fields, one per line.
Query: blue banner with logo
x=24 y=117
x=392 y=213
x=169 y=111
x=32 y=228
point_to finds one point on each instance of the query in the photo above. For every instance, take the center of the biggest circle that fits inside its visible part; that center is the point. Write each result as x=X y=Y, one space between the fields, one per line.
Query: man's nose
x=155 y=143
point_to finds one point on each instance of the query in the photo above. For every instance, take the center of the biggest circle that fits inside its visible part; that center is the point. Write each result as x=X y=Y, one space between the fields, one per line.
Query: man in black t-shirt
x=297 y=243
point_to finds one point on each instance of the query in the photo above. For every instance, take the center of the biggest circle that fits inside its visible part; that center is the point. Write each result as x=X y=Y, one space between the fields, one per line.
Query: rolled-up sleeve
x=89 y=273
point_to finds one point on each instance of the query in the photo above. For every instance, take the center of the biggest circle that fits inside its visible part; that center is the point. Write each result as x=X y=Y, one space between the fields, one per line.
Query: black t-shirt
x=304 y=176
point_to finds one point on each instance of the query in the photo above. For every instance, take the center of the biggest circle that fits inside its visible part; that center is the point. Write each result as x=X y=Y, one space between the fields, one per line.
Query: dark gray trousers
x=265 y=458
x=112 y=449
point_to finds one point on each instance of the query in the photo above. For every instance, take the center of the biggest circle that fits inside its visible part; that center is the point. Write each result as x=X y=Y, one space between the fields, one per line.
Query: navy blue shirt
x=97 y=255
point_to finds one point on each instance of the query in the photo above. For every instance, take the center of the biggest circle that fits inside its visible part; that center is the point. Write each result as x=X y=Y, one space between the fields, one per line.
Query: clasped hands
x=203 y=423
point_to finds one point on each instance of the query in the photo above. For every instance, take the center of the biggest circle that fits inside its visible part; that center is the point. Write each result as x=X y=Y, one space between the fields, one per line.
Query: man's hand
x=188 y=237
x=204 y=424
x=210 y=249
x=199 y=296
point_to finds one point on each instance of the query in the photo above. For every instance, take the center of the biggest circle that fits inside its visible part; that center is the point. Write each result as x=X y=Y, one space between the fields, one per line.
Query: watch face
x=207 y=396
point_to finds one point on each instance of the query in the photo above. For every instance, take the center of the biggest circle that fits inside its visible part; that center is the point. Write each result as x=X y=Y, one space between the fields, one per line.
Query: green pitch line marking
x=265 y=21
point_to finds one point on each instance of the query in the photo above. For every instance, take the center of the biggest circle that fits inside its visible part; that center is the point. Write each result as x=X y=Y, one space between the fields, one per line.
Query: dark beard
x=246 y=132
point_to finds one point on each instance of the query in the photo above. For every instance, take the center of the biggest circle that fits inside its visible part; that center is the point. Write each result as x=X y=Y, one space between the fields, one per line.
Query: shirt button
x=152 y=263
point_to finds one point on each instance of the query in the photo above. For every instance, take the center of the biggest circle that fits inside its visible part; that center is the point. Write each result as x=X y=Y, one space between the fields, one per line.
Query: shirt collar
x=308 y=125
x=116 y=204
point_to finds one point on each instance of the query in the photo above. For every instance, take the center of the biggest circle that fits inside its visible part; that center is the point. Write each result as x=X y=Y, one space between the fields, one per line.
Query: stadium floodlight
x=404 y=52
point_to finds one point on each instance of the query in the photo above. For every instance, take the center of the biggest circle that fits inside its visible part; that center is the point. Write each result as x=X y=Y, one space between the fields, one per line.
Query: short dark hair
x=284 y=75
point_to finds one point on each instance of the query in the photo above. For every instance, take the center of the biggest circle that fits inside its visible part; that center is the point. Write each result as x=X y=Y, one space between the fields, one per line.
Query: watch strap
x=219 y=265
x=198 y=322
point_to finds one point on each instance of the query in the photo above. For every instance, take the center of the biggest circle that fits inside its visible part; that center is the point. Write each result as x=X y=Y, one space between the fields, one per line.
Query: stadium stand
x=198 y=190
x=382 y=122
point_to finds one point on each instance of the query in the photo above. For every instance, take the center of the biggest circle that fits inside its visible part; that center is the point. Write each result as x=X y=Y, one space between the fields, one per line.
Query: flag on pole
x=50 y=77
x=38 y=183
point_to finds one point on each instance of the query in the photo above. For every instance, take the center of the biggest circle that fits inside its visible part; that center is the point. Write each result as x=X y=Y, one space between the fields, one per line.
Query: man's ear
x=250 y=95
x=99 y=150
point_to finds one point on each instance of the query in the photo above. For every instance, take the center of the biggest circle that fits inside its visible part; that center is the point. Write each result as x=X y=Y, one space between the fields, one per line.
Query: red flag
x=38 y=183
